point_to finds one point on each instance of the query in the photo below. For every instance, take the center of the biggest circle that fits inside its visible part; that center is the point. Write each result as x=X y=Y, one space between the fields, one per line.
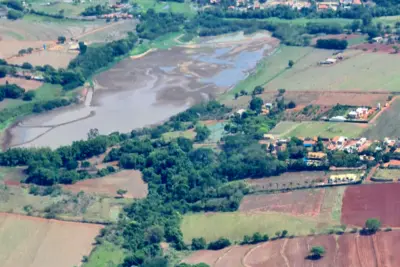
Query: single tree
x=199 y=243
x=61 y=39
x=290 y=63
x=256 y=104
x=396 y=49
x=372 y=225
x=317 y=252
x=121 y=192
x=82 y=47
x=284 y=233
x=281 y=91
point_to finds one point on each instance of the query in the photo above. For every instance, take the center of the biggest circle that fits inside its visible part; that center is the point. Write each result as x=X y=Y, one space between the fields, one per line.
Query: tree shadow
x=313 y=257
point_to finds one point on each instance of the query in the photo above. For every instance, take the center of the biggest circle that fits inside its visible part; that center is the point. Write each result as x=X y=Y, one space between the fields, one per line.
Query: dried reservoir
x=142 y=91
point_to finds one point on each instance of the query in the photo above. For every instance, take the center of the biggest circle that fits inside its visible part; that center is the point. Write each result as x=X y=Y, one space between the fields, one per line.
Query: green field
x=270 y=68
x=159 y=6
x=389 y=174
x=323 y=129
x=106 y=254
x=358 y=71
x=234 y=225
x=164 y=42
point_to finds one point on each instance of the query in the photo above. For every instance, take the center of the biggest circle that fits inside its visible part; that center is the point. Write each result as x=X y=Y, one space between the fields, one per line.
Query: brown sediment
x=139 y=93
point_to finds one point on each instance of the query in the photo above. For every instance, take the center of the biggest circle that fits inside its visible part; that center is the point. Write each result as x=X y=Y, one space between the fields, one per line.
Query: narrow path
x=248 y=253
x=371 y=173
x=223 y=255
x=373 y=237
x=282 y=252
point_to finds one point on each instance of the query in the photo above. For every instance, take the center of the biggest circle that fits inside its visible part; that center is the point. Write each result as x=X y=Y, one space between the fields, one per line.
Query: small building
x=268 y=105
x=394 y=164
x=328 y=61
x=268 y=137
x=240 y=111
x=338 y=119
x=378 y=39
x=309 y=143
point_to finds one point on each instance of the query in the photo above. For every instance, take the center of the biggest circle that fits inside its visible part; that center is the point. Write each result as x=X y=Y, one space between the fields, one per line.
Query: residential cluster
x=257 y=4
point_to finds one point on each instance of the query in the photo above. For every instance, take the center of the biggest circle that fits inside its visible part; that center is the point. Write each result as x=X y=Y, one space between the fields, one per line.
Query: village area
x=199 y=133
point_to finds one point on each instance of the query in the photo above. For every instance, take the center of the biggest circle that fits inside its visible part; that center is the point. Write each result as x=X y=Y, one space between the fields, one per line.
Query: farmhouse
x=393 y=164
x=338 y=119
x=240 y=111
x=328 y=61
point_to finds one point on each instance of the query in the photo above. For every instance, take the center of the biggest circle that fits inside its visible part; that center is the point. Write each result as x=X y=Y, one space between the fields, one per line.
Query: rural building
x=328 y=61
x=240 y=111
x=268 y=105
x=352 y=114
x=393 y=164
x=309 y=143
x=378 y=39
x=268 y=137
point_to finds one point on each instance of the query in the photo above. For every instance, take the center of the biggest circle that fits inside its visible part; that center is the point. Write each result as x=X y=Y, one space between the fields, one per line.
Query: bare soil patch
x=24 y=83
x=380 y=201
x=129 y=180
x=36 y=242
x=305 y=202
x=57 y=59
x=341 y=251
x=375 y=47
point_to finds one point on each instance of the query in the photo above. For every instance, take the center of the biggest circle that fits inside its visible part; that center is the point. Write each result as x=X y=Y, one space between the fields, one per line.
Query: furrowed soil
x=380 y=201
x=129 y=180
x=341 y=251
x=33 y=242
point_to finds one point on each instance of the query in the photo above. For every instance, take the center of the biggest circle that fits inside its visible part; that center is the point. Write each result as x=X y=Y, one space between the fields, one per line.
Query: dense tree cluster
x=96 y=10
x=154 y=24
x=332 y=44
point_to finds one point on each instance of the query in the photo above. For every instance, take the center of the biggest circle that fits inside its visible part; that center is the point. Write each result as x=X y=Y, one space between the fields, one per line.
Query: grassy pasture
x=270 y=68
x=106 y=254
x=159 y=6
x=314 y=128
x=359 y=71
x=234 y=225
x=386 y=125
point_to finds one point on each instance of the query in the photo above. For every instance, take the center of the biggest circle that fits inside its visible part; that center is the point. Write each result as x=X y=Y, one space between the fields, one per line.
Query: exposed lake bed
x=144 y=91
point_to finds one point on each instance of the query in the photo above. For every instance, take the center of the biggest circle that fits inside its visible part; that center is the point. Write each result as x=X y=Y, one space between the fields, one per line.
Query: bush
x=219 y=244
x=198 y=243
x=28 y=96
x=27 y=66
x=14 y=14
x=3 y=72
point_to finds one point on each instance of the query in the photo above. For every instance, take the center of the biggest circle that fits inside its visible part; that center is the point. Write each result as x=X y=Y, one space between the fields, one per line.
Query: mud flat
x=148 y=90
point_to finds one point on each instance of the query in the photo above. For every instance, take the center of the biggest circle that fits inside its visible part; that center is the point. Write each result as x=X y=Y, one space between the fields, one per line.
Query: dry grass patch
x=129 y=180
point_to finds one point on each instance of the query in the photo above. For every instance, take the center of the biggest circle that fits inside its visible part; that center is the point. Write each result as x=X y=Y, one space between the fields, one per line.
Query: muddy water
x=144 y=91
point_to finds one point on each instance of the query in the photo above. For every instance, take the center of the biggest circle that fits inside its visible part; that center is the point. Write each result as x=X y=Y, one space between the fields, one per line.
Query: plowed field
x=380 y=201
x=341 y=251
x=33 y=242
x=305 y=202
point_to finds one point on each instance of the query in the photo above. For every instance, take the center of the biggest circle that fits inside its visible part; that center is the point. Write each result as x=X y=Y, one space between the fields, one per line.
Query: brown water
x=141 y=92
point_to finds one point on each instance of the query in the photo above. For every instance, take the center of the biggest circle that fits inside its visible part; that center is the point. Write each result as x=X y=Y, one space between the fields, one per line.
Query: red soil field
x=375 y=46
x=304 y=202
x=129 y=180
x=380 y=201
x=341 y=251
x=26 y=84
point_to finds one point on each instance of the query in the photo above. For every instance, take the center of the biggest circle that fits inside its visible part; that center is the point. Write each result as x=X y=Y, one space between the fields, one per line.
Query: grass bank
x=234 y=225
